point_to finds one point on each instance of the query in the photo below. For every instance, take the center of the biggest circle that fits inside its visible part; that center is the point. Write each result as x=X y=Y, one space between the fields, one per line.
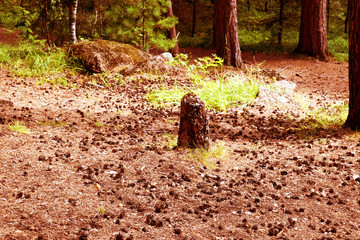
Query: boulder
x=101 y=55
x=194 y=128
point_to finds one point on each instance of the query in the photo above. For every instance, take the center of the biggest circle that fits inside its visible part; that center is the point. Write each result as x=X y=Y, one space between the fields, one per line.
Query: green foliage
x=10 y=14
x=225 y=91
x=19 y=127
x=142 y=22
x=208 y=157
x=30 y=59
x=329 y=116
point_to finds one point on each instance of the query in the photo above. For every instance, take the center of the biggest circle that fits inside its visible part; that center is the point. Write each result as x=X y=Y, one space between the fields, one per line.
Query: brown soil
x=74 y=178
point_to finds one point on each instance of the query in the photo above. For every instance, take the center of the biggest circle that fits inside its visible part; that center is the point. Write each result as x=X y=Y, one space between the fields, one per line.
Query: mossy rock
x=101 y=55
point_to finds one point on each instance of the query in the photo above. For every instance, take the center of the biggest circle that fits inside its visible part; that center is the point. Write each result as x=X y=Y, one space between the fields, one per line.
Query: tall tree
x=226 y=32
x=172 y=31
x=353 y=120
x=281 y=21
x=72 y=4
x=313 y=34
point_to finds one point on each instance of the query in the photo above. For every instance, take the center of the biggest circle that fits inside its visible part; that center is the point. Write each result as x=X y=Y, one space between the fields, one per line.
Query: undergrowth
x=209 y=157
x=29 y=59
x=218 y=90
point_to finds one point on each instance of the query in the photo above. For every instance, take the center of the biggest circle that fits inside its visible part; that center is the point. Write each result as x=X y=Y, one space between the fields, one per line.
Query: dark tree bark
x=266 y=8
x=194 y=127
x=72 y=4
x=194 y=19
x=281 y=20
x=172 y=32
x=328 y=14
x=226 y=32
x=313 y=34
x=353 y=120
x=46 y=22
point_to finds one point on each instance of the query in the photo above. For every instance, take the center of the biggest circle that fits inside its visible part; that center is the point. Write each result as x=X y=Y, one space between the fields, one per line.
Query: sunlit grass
x=209 y=157
x=34 y=60
x=19 y=127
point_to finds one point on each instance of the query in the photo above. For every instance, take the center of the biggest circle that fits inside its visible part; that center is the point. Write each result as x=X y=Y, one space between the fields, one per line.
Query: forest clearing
x=89 y=141
x=100 y=163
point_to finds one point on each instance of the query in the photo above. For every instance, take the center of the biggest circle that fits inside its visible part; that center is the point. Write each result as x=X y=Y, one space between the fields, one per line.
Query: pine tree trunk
x=313 y=34
x=46 y=22
x=281 y=18
x=194 y=19
x=353 y=120
x=73 y=4
x=226 y=32
x=172 y=32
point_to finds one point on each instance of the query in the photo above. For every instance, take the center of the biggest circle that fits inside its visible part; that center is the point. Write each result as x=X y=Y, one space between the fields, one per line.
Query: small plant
x=98 y=124
x=19 y=127
x=208 y=158
x=330 y=115
x=220 y=94
x=171 y=139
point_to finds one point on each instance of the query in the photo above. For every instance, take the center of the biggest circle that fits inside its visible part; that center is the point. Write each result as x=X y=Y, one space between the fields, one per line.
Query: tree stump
x=194 y=128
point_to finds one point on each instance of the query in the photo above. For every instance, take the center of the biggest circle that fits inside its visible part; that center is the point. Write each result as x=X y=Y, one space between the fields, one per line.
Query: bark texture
x=353 y=120
x=226 y=32
x=313 y=33
x=73 y=4
x=172 y=32
x=194 y=128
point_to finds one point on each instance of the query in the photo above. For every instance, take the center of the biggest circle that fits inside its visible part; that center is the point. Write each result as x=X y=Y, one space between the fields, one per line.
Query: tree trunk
x=266 y=8
x=194 y=126
x=313 y=34
x=226 y=32
x=46 y=22
x=347 y=19
x=281 y=18
x=172 y=32
x=328 y=14
x=353 y=120
x=73 y=4
x=194 y=19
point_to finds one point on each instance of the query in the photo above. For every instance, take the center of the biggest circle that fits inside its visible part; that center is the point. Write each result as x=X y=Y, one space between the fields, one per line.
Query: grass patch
x=225 y=91
x=218 y=95
x=34 y=60
x=209 y=158
x=19 y=127
x=171 y=140
x=329 y=116
x=328 y=120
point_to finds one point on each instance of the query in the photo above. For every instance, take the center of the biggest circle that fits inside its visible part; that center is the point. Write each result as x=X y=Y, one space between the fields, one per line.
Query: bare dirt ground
x=98 y=165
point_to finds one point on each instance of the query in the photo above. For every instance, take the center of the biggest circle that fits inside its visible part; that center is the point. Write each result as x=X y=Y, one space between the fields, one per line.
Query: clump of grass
x=219 y=94
x=208 y=158
x=171 y=140
x=331 y=115
x=34 y=60
x=19 y=127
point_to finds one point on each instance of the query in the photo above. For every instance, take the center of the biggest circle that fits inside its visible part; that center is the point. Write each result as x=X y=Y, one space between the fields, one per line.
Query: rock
x=194 y=128
x=100 y=56
x=281 y=92
x=166 y=56
x=279 y=95
x=155 y=64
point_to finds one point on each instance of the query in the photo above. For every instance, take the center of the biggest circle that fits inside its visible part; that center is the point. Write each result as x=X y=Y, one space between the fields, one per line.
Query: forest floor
x=99 y=164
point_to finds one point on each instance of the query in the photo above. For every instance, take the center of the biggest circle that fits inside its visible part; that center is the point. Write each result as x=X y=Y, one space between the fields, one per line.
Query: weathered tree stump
x=194 y=128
